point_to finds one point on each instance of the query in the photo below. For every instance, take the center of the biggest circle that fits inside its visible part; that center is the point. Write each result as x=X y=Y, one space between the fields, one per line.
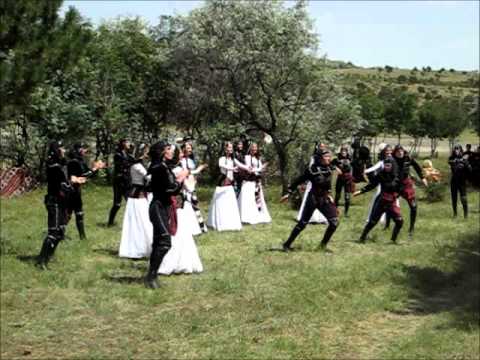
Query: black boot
x=287 y=245
x=413 y=217
x=156 y=257
x=463 y=199
x=80 y=225
x=326 y=237
x=347 y=206
x=365 y=232
x=113 y=212
x=48 y=248
x=396 y=229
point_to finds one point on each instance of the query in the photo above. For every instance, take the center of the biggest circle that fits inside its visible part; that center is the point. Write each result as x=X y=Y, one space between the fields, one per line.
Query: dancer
x=253 y=209
x=137 y=230
x=460 y=168
x=183 y=255
x=77 y=167
x=361 y=160
x=386 y=202
x=343 y=163
x=319 y=173
x=189 y=193
x=121 y=177
x=239 y=175
x=407 y=188
x=59 y=187
x=223 y=211
x=165 y=185
x=317 y=217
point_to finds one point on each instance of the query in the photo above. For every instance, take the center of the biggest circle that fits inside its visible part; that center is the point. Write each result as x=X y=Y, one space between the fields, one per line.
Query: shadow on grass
x=105 y=251
x=435 y=291
x=124 y=279
x=30 y=259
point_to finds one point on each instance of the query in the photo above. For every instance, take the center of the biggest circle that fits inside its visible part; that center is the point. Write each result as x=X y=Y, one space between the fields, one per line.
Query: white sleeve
x=241 y=165
x=377 y=166
x=222 y=164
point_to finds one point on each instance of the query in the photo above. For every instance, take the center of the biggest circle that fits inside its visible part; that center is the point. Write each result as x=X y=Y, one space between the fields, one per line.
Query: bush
x=434 y=192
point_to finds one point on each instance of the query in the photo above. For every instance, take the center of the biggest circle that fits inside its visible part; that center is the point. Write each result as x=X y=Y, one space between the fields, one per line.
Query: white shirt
x=138 y=174
x=227 y=166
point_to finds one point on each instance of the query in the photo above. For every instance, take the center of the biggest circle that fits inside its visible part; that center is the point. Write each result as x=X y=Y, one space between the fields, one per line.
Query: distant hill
x=427 y=83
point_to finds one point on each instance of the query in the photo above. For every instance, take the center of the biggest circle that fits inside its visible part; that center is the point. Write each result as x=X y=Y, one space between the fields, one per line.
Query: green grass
x=419 y=299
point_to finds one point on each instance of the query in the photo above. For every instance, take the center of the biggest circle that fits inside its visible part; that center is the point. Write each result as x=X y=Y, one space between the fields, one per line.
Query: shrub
x=434 y=192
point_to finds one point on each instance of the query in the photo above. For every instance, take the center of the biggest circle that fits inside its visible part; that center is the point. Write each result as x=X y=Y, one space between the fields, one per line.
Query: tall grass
x=417 y=299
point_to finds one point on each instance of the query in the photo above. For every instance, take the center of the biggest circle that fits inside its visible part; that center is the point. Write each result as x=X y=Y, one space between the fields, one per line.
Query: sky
x=403 y=34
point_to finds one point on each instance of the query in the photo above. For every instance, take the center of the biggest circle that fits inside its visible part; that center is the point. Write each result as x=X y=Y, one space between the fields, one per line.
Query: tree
x=399 y=111
x=258 y=57
x=35 y=44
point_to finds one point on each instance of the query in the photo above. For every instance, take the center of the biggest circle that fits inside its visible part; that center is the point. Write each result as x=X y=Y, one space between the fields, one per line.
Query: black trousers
x=120 y=190
x=326 y=206
x=75 y=205
x=56 y=220
x=345 y=184
x=162 y=242
x=459 y=185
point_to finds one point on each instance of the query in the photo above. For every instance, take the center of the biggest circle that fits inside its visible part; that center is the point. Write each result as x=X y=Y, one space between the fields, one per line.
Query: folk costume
x=460 y=168
x=251 y=201
x=137 y=229
x=58 y=190
x=319 y=197
x=223 y=211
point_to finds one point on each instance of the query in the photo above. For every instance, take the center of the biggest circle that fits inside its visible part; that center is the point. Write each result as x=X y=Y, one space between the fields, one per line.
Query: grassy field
x=419 y=299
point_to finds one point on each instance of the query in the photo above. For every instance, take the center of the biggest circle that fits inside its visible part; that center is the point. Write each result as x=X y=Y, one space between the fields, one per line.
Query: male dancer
x=319 y=173
x=77 y=167
x=407 y=188
x=121 y=177
x=164 y=185
x=461 y=168
x=389 y=182
x=343 y=163
x=59 y=186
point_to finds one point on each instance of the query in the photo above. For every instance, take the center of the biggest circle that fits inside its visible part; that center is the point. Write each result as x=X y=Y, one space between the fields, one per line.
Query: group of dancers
x=162 y=213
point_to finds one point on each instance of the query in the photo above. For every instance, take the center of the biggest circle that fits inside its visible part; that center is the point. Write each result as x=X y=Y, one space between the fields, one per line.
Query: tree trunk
x=282 y=163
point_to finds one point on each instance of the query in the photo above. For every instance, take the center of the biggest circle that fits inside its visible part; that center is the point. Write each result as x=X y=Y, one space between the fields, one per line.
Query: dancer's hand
x=425 y=182
x=202 y=167
x=284 y=198
x=99 y=164
x=356 y=193
x=78 y=179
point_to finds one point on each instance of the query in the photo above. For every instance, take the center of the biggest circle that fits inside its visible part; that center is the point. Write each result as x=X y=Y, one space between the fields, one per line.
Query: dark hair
x=54 y=155
x=158 y=150
x=121 y=144
x=457 y=147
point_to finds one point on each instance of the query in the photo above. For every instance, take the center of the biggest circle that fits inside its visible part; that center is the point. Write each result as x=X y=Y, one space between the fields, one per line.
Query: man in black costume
x=59 y=187
x=164 y=185
x=361 y=160
x=122 y=161
x=78 y=167
x=461 y=169
x=343 y=163
x=386 y=202
x=319 y=173
x=407 y=188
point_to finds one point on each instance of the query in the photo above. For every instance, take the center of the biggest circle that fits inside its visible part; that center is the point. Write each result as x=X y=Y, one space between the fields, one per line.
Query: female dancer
x=458 y=184
x=253 y=209
x=183 y=255
x=137 y=230
x=189 y=193
x=165 y=186
x=223 y=212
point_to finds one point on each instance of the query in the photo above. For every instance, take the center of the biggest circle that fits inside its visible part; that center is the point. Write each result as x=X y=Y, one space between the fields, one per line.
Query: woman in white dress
x=137 y=230
x=190 y=200
x=223 y=211
x=183 y=255
x=251 y=201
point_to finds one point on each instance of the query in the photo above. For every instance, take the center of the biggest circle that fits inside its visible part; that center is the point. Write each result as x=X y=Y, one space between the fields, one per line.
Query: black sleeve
x=299 y=180
x=74 y=168
x=417 y=168
x=371 y=185
x=170 y=183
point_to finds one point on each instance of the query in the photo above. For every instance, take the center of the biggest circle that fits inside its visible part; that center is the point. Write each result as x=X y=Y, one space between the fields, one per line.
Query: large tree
x=259 y=59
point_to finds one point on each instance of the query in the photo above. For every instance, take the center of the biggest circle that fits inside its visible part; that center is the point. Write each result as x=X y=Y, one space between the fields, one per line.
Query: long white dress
x=223 y=211
x=137 y=230
x=317 y=216
x=183 y=256
x=189 y=195
x=250 y=211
